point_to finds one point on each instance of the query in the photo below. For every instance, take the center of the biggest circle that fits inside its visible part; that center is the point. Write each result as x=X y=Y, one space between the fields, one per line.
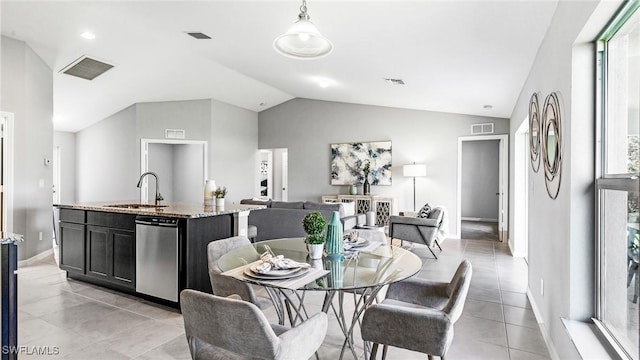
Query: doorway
x=181 y=166
x=483 y=187
x=274 y=174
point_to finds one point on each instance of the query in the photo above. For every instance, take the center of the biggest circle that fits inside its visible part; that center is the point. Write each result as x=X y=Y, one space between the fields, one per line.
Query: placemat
x=292 y=284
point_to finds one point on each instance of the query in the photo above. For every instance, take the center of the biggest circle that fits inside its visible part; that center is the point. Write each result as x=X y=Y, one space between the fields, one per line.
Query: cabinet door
x=123 y=260
x=97 y=249
x=72 y=247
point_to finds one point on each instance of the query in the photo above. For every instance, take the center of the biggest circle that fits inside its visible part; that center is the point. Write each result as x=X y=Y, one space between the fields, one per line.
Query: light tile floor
x=76 y=320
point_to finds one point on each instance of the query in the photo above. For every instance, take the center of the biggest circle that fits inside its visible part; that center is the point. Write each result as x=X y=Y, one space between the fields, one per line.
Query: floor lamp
x=414 y=170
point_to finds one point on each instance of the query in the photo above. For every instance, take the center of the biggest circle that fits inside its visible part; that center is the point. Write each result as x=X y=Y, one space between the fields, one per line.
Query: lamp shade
x=414 y=170
x=303 y=41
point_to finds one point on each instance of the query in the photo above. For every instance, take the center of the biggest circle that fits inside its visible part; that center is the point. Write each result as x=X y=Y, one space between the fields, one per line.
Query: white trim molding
x=6 y=121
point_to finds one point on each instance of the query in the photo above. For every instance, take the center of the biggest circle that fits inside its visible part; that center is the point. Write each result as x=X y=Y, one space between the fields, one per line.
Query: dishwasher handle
x=157 y=221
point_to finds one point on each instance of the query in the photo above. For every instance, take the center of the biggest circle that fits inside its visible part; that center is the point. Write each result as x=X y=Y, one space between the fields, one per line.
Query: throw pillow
x=425 y=211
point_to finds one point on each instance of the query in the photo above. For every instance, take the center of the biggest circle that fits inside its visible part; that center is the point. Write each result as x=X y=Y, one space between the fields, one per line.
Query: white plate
x=274 y=272
x=255 y=275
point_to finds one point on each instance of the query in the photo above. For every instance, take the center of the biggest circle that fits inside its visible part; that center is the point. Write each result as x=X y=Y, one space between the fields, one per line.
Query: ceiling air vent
x=199 y=35
x=86 y=68
x=479 y=129
x=394 y=81
x=174 y=133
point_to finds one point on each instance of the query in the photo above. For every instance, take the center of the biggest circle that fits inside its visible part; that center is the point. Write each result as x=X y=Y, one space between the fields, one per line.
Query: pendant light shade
x=303 y=40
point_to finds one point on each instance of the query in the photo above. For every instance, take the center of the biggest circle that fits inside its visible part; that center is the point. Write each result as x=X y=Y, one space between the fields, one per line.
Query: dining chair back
x=418 y=314
x=227 y=328
x=222 y=285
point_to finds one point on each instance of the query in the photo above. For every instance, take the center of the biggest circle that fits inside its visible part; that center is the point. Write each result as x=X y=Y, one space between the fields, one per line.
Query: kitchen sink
x=136 y=206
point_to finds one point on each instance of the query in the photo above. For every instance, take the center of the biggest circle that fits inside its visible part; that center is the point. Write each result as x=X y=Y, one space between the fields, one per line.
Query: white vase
x=219 y=202
x=209 y=188
x=316 y=251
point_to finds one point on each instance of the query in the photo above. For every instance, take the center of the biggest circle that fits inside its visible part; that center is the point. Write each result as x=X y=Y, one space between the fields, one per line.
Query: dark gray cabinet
x=111 y=255
x=72 y=240
x=99 y=245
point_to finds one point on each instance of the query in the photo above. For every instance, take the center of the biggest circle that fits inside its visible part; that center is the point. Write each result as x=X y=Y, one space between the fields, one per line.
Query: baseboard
x=543 y=329
x=39 y=257
x=513 y=253
x=479 y=219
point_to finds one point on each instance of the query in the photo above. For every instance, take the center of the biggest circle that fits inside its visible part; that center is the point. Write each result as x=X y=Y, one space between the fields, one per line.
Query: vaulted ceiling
x=454 y=56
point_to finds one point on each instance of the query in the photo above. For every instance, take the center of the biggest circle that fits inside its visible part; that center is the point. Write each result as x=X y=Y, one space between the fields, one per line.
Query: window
x=618 y=282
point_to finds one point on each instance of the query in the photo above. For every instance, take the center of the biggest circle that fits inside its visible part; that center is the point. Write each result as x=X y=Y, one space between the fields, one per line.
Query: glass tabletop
x=384 y=265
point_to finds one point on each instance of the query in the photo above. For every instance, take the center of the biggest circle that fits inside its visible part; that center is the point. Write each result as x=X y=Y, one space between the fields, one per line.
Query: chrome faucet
x=158 y=195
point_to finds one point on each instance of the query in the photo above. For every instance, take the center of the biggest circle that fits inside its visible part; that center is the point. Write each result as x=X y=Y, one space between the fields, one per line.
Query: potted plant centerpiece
x=220 y=193
x=314 y=225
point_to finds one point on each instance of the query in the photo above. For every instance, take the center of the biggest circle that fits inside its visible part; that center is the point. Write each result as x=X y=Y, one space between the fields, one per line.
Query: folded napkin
x=279 y=262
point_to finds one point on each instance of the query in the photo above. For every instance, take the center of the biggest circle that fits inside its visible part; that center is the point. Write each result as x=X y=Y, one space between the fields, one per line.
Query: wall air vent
x=199 y=35
x=481 y=129
x=86 y=68
x=174 y=134
x=394 y=81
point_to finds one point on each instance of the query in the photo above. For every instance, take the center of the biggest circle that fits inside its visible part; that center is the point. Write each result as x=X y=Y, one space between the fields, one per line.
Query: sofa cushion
x=308 y=205
x=255 y=202
x=424 y=212
x=287 y=205
x=349 y=208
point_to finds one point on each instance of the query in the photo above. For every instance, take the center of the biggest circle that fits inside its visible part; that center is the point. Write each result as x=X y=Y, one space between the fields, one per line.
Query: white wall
x=234 y=158
x=109 y=151
x=27 y=92
x=561 y=241
x=107 y=167
x=161 y=160
x=66 y=141
x=188 y=173
x=480 y=179
x=308 y=127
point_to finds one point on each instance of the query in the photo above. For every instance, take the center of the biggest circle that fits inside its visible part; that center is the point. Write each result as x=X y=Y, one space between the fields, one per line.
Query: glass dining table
x=362 y=272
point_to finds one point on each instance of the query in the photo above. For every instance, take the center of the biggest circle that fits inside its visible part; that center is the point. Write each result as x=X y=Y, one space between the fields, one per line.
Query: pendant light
x=303 y=40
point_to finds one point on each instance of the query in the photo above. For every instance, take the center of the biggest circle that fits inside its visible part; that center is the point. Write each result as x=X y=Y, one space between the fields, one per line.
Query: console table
x=382 y=205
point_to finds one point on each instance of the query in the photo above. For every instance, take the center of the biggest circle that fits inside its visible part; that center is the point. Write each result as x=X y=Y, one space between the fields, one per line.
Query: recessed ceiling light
x=88 y=35
x=324 y=83
x=488 y=107
x=394 y=81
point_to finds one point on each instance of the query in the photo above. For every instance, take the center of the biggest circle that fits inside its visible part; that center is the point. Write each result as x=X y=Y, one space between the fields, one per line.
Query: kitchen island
x=119 y=244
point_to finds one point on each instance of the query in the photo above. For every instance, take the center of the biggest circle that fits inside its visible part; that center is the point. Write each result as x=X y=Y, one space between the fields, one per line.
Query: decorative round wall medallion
x=534 y=132
x=551 y=139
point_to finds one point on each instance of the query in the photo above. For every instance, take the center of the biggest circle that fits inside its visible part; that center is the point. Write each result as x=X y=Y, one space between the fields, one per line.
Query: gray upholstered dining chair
x=227 y=328
x=225 y=285
x=418 y=230
x=418 y=314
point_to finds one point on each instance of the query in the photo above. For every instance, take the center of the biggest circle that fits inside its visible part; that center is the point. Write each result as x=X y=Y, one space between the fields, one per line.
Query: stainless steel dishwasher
x=157 y=264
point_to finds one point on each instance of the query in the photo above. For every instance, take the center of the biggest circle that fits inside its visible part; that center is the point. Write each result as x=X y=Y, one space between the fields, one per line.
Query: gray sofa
x=282 y=219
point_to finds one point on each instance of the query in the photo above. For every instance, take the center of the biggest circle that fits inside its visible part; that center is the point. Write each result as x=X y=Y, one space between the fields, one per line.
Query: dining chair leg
x=374 y=351
x=438 y=244
x=432 y=253
x=384 y=352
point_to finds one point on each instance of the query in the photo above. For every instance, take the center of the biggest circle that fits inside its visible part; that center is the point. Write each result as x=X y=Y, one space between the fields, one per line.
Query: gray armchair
x=418 y=230
x=418 y=314
x=227 y=328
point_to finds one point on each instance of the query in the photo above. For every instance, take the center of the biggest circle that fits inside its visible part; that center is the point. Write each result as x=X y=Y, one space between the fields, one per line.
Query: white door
x=285 y=175
x=6 y=171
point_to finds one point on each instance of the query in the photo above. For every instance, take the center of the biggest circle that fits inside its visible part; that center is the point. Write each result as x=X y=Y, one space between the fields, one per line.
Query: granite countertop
x=168 y=209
